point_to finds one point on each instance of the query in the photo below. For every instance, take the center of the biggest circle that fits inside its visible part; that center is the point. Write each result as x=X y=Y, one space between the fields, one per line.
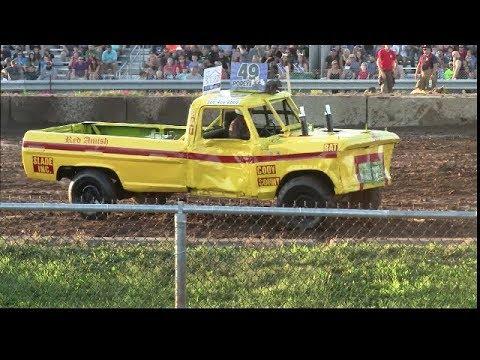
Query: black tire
x=92 y=186
x=306 y=191
x=366 y=199
x=150 y=199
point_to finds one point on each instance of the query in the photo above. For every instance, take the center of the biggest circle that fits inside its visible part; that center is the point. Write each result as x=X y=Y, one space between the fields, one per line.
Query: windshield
x=266 y=122
x=285 y=112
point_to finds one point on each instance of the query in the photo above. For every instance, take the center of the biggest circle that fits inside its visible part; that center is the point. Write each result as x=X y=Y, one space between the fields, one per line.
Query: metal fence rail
x=198 y=244
x=238 y=210
x=296 y=84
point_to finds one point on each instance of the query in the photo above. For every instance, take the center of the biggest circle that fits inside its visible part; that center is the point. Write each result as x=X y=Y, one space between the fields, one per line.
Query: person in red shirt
x=426 y=69
x=363 y=74
x=171 y=48
x=170 y=68
x=386 y=62
x=182 y=64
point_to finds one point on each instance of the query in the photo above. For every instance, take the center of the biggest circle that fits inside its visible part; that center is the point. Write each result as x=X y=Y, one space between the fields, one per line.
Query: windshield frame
x=293 y=111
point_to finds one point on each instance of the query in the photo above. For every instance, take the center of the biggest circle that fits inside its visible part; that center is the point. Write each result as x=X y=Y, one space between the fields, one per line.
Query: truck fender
x=316 y=173
x=67 y=171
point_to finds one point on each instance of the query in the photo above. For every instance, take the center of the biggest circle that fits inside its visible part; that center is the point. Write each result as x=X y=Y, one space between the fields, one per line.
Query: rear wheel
x=306 y=191
x=92 y=186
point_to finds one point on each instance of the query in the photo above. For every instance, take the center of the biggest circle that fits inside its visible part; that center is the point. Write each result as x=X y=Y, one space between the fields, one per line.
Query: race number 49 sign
x=212 y=79
x=248 y=76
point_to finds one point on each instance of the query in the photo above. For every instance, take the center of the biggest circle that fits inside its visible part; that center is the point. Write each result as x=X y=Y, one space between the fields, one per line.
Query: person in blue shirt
x=471 y=60
x=371 y=66
x=43 y=63
x=21 y=59
x=109 y=60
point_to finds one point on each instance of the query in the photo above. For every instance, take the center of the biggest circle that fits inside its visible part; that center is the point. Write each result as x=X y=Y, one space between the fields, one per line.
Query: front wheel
x=306 y=191
x=92 y=186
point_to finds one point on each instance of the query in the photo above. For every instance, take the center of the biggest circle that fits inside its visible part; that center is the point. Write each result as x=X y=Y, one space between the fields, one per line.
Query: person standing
x=386 y=62
x=426 y=69
x=459 y=67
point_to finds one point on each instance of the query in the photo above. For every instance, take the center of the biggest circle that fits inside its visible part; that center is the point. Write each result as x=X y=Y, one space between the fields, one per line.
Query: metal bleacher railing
x=296 y=84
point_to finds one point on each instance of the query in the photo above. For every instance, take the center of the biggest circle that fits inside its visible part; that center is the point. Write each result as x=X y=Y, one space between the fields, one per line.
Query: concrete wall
x=53 y=110
x=171 y=110
x=422 y=110
x=5 y=112
x=347 y=110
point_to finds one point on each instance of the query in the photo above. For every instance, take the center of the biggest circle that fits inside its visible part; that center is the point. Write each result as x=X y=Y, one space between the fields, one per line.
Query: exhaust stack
x=328 y=118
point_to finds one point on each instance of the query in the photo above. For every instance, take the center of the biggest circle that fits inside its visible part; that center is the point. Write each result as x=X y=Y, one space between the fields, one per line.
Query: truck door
x=217 y=164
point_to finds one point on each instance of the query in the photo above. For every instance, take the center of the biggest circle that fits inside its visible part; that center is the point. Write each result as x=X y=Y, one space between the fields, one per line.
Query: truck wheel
x=92 y=187
x=305 y=191
x=159 y=199
x=368 y=199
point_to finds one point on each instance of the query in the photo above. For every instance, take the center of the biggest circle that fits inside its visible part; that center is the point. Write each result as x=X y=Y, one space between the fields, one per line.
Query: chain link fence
x=189 y=255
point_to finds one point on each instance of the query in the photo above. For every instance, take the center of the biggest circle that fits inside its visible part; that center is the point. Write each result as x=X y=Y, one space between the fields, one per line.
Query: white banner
x=212 y=79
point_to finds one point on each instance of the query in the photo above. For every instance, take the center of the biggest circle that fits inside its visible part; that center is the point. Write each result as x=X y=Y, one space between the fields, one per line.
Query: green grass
x=325 y=276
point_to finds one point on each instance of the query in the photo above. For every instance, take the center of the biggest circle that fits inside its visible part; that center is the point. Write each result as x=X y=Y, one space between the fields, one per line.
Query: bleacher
x=62 y=66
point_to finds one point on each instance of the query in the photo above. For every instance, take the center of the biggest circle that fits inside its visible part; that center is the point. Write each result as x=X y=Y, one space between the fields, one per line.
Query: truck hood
x=342 y=139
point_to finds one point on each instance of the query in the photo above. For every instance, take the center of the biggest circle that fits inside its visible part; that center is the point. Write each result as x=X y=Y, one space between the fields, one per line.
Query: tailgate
x=365 y=161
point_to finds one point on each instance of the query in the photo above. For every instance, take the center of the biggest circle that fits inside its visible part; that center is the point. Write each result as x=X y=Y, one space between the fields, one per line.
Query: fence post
x=180 y=257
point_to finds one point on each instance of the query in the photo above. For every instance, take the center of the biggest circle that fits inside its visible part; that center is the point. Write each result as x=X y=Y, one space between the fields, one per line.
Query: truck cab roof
x=233 y=98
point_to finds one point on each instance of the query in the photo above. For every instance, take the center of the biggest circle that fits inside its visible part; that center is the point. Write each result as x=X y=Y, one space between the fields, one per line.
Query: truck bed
x=145 y=157
x=149 y=131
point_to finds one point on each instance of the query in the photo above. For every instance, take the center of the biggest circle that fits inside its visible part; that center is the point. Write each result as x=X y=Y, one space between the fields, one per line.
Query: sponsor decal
x=270 y=181
x=42 y=164
x=266 y=170
x=224 y=101
x=331 y=147
x=370 y=169
x=88 y=140
x=212 y=79
x=248 y=76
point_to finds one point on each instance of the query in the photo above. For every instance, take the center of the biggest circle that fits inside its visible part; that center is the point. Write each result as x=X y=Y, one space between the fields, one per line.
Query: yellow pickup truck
x=276 y=157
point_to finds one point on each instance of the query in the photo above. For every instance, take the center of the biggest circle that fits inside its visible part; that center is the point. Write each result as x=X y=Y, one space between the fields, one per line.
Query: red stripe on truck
x=178 y=154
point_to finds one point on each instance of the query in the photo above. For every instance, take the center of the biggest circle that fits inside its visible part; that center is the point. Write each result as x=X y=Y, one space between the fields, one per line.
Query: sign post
x=287 y=70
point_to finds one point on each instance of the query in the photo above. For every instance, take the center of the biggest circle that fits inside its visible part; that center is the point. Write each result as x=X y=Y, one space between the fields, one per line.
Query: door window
x=220 y=123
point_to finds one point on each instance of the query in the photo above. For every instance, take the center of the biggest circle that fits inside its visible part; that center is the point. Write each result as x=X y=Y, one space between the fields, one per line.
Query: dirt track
x=432 y=168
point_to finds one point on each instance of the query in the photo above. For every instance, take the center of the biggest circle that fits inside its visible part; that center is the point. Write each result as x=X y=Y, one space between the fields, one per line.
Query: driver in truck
x=238 y=128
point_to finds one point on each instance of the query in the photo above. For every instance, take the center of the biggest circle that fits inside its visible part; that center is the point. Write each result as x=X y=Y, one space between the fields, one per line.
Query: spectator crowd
x=179 y=62
x=183 y=62
x=360 y=61
x=38 y=62
x=175 y=62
